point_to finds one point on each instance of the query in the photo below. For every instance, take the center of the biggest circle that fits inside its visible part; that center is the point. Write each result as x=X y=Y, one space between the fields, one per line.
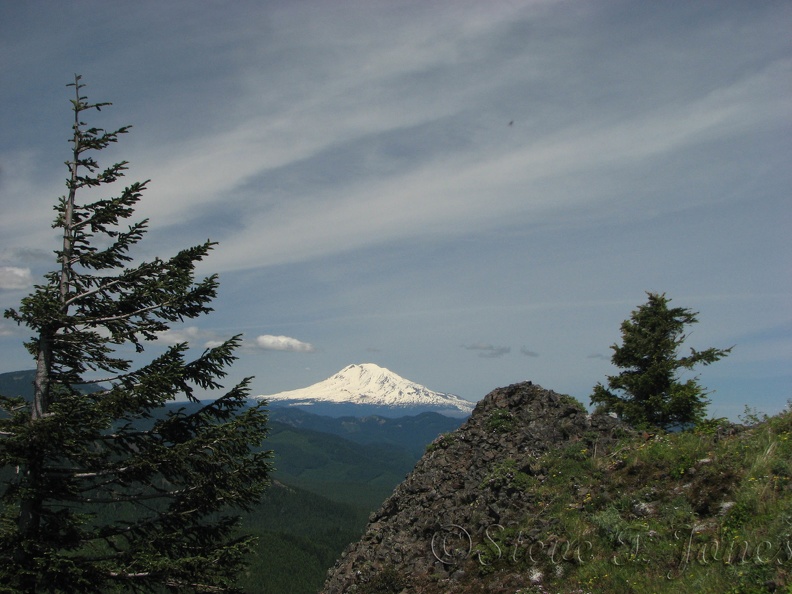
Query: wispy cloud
x=190 y=334
x=286 y=160
x=12 y=277
x=25 y=254
x=488 y=351
x=355 y=162
x=270 y=342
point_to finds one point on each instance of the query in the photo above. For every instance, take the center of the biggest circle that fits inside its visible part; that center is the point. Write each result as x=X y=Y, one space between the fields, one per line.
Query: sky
x=470 y=194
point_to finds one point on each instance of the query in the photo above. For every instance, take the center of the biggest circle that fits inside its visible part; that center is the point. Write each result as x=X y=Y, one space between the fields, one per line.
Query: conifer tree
x=112 y=490
x=649 y=391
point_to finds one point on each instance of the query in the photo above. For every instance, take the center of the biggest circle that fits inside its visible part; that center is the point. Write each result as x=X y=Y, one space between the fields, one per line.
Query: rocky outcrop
x=466 y=484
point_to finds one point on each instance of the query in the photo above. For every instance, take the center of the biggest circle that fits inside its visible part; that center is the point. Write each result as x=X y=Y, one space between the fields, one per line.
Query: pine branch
x=77 y=453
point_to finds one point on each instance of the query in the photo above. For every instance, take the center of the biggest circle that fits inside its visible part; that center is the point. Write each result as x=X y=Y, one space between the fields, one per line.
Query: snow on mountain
x=370 y=385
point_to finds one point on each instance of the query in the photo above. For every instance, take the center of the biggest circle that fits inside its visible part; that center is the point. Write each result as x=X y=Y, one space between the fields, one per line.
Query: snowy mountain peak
x=368 y=384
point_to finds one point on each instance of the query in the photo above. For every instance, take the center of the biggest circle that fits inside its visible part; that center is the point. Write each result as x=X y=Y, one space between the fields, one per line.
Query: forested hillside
x=325 y=486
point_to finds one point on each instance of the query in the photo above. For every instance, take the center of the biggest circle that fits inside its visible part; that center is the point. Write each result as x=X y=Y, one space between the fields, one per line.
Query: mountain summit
x=370 y=389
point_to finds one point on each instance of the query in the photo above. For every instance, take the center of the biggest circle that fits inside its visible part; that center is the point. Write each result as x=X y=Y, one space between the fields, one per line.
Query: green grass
x=708 y=510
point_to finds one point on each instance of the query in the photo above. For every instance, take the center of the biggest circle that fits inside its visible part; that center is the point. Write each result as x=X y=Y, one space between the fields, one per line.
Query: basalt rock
x=466 y=485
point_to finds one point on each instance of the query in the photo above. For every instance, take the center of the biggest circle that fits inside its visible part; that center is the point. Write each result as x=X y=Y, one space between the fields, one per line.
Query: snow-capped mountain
x=370 y=389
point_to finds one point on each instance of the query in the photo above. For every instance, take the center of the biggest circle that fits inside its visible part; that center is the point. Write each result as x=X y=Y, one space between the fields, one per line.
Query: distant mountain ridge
x=19 y=384
x=366 y=389
x=14 y=384
x=412 y=433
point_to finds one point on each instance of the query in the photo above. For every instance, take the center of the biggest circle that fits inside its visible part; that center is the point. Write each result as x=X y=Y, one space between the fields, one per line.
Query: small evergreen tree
x=649 y=392
x=112 y=490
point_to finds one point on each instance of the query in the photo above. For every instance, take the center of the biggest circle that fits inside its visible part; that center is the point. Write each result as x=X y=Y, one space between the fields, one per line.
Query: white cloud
x=211 y=344
x=12 y=277
x=283 y=343
x=190 y=334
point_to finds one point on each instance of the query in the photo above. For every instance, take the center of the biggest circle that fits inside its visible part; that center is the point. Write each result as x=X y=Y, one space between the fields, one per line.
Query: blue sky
x=470 y=194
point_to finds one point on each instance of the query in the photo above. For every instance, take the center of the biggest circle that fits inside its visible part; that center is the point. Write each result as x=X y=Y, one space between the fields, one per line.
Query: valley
x=330 y=475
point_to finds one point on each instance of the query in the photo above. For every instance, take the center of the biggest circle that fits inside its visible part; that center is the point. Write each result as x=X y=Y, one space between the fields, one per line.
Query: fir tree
x=649 y=391
x=112 y=490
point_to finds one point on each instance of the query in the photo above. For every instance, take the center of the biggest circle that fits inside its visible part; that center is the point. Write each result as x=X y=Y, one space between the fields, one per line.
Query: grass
x=500 y=421
x=707 y=510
